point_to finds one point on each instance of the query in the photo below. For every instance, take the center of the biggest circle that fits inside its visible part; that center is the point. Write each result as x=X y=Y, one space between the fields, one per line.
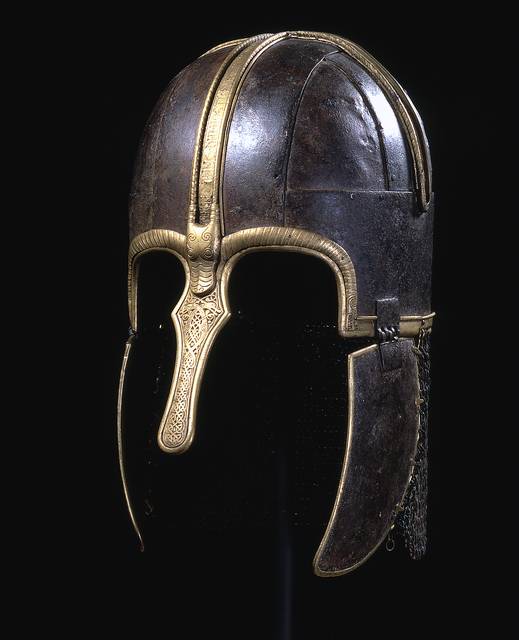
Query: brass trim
x=405 y=109
x=342 y=481
x=223 y=45
x=291 y=239
x=205 y=222
x=197 y=321
x=203 y=227
x=193 y=199
x=397 y=96
x=120 y=446
x=210 y=167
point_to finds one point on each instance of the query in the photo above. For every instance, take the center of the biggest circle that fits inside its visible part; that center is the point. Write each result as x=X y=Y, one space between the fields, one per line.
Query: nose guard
x=383 y=387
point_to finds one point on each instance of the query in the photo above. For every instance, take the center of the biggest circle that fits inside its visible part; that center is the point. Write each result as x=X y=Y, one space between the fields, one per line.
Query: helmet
x=301 y=142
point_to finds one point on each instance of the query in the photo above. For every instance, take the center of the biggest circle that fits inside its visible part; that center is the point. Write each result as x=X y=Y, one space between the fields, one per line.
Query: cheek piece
x=301 y=141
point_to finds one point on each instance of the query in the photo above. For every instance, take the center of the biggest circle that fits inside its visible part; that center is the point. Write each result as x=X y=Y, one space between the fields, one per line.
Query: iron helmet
x=301 y=141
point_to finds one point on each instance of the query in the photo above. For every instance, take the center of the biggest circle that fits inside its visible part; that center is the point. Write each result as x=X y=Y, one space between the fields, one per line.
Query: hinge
x=388 y=332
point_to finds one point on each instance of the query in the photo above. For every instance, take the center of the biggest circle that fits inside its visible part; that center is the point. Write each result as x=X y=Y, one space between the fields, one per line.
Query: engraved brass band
x=203 y=228
x=197 y=321
x=223 y=45
x=238 y=244
x=205 y=223
x=210 y=169
x=193 y=201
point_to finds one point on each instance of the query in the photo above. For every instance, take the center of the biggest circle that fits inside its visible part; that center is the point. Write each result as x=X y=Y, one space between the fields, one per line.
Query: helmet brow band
x=290 y=239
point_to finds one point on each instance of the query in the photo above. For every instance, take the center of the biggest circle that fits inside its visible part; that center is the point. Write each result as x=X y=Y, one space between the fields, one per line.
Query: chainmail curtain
x=411 y=523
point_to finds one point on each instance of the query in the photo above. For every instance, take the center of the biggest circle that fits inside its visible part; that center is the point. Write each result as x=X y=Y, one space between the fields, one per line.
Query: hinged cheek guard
x=301 y=142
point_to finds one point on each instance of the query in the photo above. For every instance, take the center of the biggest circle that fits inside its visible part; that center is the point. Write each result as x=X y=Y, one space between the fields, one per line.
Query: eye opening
x=160 y=281
x=281 y=286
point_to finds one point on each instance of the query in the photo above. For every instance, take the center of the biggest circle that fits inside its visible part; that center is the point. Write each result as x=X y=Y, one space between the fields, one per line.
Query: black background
x=440 y=62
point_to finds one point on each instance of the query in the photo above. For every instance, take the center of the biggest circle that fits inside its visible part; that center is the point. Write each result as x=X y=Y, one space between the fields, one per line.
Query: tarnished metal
x=382 y=437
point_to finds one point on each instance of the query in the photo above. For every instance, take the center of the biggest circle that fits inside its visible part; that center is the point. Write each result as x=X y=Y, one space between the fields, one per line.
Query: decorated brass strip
x=400 y=100
x=290 y=239
x=213 y=150
x=197 y=320
x=120 y=445
x=213 y=138
x=193 y=200
x=223 y=45
x=203 y=229
x=205 y=226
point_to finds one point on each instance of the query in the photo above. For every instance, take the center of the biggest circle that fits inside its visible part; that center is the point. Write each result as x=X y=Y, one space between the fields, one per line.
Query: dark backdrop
x=433 y=57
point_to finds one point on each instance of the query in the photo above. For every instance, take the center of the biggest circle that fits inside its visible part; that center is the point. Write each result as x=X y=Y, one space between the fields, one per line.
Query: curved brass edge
x=120 y=446
x=291 y=239
x=210 y=170
x=210 y=184
x=206 y=224
x=405 y=109
x=204 y=227
x=223 y=45
x=152 y=240
x=197 y=321
x=342 y=483
x=193 y=200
